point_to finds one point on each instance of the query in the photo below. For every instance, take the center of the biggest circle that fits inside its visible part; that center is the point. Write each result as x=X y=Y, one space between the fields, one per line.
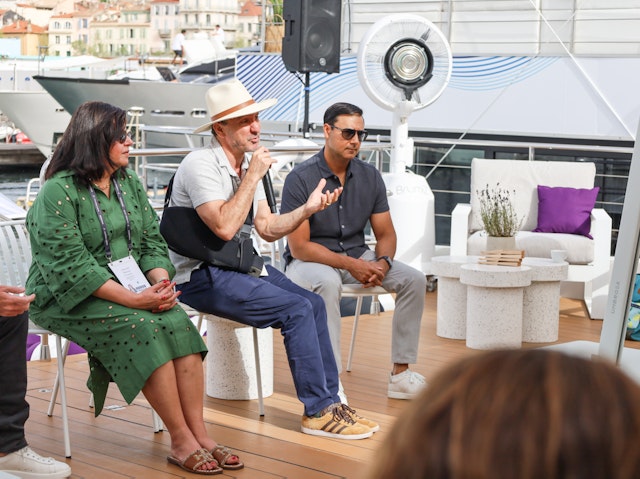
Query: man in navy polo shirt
x=329 y=248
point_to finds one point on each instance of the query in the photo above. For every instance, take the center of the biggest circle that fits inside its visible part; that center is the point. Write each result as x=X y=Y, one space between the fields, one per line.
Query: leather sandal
x=222 y=454
x=195 y=460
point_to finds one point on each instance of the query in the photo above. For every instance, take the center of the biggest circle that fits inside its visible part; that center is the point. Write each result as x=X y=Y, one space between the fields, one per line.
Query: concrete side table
x=541 y=304
x=231 y=367
x=494 y=304
x=451 y=313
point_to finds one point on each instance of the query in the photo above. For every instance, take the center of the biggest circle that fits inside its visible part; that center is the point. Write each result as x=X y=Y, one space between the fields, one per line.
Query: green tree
x=79 y=47
x=277 y=8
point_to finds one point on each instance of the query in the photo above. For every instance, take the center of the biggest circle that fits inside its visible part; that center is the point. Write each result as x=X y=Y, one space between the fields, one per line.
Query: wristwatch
x=387 y=259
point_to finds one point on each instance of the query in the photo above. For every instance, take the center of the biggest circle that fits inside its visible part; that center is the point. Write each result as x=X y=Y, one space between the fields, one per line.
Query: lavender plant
x=497 y=212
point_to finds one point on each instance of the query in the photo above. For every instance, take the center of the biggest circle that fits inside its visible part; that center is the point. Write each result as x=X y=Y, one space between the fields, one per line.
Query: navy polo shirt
x=341 y=226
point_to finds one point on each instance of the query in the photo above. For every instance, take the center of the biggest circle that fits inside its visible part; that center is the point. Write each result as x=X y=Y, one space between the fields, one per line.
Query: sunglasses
x=123 y=137
x=348 y=133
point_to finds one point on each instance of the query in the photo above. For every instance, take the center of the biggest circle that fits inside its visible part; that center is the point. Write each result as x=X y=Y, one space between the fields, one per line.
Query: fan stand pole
x=401 y=144
x=307 y=89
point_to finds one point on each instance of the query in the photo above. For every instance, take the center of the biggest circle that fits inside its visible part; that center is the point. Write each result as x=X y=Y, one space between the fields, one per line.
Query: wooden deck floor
x=121 y=443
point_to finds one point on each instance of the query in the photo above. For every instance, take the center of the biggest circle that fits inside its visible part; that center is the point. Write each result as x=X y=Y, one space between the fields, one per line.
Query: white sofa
x=589 y=259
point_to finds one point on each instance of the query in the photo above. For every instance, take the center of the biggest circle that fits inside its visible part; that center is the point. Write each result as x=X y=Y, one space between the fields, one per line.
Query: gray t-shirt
x=204 y=175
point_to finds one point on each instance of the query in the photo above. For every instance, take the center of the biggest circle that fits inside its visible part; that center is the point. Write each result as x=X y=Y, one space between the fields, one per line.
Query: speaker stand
x=307 y=90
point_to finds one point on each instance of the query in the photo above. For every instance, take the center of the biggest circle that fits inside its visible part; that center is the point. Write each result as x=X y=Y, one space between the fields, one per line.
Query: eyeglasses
x=348 y=133
x=123 y=137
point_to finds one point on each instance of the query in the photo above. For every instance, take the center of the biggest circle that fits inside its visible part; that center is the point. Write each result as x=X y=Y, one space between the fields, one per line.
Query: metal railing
x=444 y=162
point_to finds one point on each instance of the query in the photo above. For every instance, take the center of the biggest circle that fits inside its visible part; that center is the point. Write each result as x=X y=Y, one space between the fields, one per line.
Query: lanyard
x=103 y=226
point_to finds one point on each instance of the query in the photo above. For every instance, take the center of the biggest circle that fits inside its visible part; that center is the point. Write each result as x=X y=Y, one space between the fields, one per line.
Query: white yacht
x=37 y=114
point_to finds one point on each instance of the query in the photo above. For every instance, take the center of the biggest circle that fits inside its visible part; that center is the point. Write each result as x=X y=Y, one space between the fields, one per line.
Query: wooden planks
x=121 y=443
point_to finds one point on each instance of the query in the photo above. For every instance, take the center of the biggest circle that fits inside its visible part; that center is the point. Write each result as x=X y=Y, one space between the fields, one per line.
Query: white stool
x=231 y=365
x=494 y=304
x=541 y=303
x=451 y=313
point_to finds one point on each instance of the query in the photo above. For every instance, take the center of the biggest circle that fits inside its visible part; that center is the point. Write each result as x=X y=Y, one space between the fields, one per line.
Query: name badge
x=129 y=274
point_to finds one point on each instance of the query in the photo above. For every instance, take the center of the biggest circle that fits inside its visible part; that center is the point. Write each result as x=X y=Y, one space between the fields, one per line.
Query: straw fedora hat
x=230 y=99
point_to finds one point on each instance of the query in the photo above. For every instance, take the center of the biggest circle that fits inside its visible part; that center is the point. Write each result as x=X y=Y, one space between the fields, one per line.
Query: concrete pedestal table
x=231 y=367
x=494 y=304
x=541 y=303
x=452 y=296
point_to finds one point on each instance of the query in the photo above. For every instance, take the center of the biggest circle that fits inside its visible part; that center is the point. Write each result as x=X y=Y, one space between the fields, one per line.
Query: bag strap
x=244 y=231
x=167 y=195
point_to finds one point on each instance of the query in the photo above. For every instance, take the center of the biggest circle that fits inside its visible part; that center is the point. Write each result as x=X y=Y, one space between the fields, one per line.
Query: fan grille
x=404 y=58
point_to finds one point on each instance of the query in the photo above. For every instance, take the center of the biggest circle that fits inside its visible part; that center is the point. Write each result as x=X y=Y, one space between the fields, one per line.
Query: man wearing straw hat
x=223 y=182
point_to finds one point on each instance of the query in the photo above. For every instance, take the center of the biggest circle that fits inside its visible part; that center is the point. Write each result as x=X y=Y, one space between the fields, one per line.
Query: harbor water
x=14 y=180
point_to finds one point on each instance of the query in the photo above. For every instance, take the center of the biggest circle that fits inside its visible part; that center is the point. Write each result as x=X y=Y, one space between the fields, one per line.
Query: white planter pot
x=500 y=243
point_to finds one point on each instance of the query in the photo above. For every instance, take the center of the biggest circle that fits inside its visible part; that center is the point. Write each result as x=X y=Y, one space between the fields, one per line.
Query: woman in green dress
x=101 y=275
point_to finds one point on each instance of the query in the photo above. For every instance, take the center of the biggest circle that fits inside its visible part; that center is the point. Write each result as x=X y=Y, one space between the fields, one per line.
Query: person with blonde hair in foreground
x=518 y=414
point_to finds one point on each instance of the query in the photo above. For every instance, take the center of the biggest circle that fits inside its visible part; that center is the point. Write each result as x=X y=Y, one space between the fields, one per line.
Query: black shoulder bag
x=186 y=234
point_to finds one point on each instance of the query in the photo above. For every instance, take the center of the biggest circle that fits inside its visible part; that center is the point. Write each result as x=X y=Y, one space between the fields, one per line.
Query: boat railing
x=155 y=166
x=444 y=162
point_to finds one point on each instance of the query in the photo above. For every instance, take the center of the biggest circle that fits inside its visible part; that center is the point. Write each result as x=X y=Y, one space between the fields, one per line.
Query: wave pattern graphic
x=491 y=73
x=265 y=76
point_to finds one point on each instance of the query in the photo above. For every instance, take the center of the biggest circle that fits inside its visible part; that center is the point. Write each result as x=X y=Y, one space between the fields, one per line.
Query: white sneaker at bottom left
x=27 y=464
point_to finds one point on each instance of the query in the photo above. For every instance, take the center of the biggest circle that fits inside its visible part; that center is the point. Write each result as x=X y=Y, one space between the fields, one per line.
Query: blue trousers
x=274 y=301
x=14 y=409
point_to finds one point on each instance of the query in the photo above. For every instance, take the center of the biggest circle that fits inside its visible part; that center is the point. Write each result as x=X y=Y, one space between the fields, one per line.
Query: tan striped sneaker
x=335 y=422
x=374 y=426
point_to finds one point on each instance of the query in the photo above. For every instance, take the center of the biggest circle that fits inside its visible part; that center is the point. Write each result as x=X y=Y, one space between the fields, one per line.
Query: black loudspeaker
x=311 y=40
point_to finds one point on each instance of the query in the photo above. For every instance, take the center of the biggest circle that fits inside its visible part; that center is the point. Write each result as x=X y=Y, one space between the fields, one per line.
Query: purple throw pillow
x=565 y=210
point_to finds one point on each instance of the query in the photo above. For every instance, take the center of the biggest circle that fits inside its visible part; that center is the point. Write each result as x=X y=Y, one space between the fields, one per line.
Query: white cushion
x=580 y=249
x=523 y=178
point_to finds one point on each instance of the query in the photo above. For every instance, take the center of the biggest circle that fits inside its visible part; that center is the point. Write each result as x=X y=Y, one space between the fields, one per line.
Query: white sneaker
x=27 y=464
x=341 y=393
x=405 y=385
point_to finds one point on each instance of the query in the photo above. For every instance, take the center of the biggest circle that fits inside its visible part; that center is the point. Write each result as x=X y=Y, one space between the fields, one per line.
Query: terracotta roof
x=130 y=7
x=80 y=8
x=250 y=9
x=22 y=26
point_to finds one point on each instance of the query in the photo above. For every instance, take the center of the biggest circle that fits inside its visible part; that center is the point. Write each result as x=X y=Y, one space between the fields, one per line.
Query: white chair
x=356 y=291
x=157 y=424
x=589 y=260
x=360 y=292
x=15 y=251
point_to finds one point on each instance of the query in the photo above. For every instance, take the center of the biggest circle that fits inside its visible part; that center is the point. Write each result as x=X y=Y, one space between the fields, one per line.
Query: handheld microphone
x=268 y=189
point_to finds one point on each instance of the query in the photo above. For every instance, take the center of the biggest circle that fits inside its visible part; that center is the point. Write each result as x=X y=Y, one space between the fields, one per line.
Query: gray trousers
x=14 y=409
x=406 y=282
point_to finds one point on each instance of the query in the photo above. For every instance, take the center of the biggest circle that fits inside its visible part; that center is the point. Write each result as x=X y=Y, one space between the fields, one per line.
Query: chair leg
x=156 y=421
x=200 y=318
x=45 y=353
x=62 y=354
x=375 y=306
x=256 y=351
x=353 y=332
x=62 y=357
x=158 y=425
